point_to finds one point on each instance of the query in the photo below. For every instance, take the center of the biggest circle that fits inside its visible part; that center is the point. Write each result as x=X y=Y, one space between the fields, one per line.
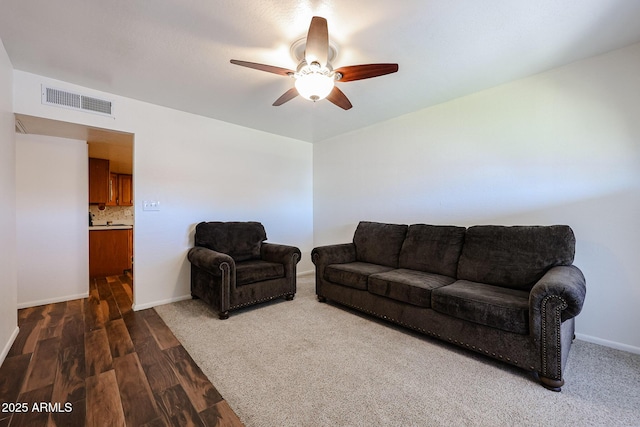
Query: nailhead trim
x=246 y=304
x=433 y=334
x=559 y=309
x=294 y=258
x=225 y=268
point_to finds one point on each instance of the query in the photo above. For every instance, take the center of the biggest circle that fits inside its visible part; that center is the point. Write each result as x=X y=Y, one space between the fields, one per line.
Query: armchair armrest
x=565 y=284
x=283 y=254
x=210 y=261
x=333 y=254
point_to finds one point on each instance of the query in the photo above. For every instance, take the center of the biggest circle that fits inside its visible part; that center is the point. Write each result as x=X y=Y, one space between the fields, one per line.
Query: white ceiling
x=176 y=53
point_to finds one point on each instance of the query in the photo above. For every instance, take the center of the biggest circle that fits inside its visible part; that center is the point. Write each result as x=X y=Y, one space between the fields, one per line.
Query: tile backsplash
x=115 y=214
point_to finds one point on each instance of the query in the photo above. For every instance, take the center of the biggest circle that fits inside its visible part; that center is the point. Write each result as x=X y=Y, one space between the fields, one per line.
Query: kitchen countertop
x=110 y=227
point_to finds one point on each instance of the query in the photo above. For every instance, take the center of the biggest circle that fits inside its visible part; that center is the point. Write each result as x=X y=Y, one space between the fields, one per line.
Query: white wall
x=199 y=169
x=561 y=147
x=8 y=271
x=52 y=205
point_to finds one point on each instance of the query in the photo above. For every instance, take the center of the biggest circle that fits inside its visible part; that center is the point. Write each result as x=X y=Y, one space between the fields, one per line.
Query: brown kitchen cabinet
x=98 y=181
x=110 y=252
x=120 y=190
x=113 y=190
x=125 y=190
x=130 y=252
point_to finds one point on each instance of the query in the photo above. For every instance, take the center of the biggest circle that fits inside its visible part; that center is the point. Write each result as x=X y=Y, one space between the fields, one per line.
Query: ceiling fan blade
x=263 y=67
x=287 y=96
x=317 y=48
x=339 y=98
x=359 y=72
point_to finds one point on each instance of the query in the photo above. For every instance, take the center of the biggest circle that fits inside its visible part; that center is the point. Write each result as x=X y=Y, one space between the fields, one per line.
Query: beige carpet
x=304 y=363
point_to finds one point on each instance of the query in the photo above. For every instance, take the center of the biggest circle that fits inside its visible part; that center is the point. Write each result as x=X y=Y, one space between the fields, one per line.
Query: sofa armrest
x=210 y=261
x=555 y=299
x=283 y=254
x=333 y=254
x=565 y=284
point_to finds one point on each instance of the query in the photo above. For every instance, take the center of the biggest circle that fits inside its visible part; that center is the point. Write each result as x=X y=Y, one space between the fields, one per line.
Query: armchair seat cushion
x=256 y=270
x=353 y=274
x=410 y=286
x=502 y=308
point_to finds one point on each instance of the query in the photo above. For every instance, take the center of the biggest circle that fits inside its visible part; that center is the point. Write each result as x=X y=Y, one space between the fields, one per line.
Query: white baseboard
x=52 y=300
x=138 y=307
x=607 y=343
x=8 y=345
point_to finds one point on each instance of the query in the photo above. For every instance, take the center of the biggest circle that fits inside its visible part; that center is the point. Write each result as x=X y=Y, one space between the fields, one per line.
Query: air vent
x=75 y=101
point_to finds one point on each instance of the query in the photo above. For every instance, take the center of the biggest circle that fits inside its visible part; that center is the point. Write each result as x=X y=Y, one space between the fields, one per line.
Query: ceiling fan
x=315 y=77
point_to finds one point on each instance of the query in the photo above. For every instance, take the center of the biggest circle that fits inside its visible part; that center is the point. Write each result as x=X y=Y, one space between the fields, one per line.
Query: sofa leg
x=193 y=296
x=322 y=299
x=551 y=384
x=289 y=297
x=224 y=315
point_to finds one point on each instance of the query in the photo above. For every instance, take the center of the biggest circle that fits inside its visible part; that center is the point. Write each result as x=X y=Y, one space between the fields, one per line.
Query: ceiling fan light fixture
x=314 y=86
x=314 y=82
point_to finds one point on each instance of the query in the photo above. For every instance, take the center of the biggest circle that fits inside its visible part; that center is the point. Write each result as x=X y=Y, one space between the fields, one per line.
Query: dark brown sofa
x=510 y=293
x=233 y=267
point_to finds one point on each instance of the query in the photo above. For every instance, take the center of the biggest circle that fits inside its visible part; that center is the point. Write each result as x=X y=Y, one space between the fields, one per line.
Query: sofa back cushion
x=240 y=240
x=514 y=257
x=432 y=248
x=379 y=243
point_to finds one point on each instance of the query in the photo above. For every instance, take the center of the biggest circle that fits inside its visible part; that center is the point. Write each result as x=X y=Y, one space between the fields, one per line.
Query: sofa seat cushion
x=256 y=270
x=410 y=286
x=502 y=308
x=353 y=274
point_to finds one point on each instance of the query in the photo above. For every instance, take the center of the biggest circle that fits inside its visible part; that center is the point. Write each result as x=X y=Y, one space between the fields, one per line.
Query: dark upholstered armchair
x=232 y=266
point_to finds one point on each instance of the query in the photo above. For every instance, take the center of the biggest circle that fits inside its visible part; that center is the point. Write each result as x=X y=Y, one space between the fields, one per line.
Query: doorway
x=108 y=220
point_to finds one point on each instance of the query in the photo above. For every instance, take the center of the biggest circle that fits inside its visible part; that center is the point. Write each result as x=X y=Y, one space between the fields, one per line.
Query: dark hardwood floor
x=96 y=362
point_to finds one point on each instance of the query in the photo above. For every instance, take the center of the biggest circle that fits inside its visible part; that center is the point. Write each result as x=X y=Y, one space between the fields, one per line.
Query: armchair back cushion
x=378 y=243
x=432 y=248
x=514 y=257
x=240 y=240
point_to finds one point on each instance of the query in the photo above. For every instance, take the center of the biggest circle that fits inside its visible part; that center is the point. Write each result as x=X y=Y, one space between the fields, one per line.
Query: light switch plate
x=150 y=205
